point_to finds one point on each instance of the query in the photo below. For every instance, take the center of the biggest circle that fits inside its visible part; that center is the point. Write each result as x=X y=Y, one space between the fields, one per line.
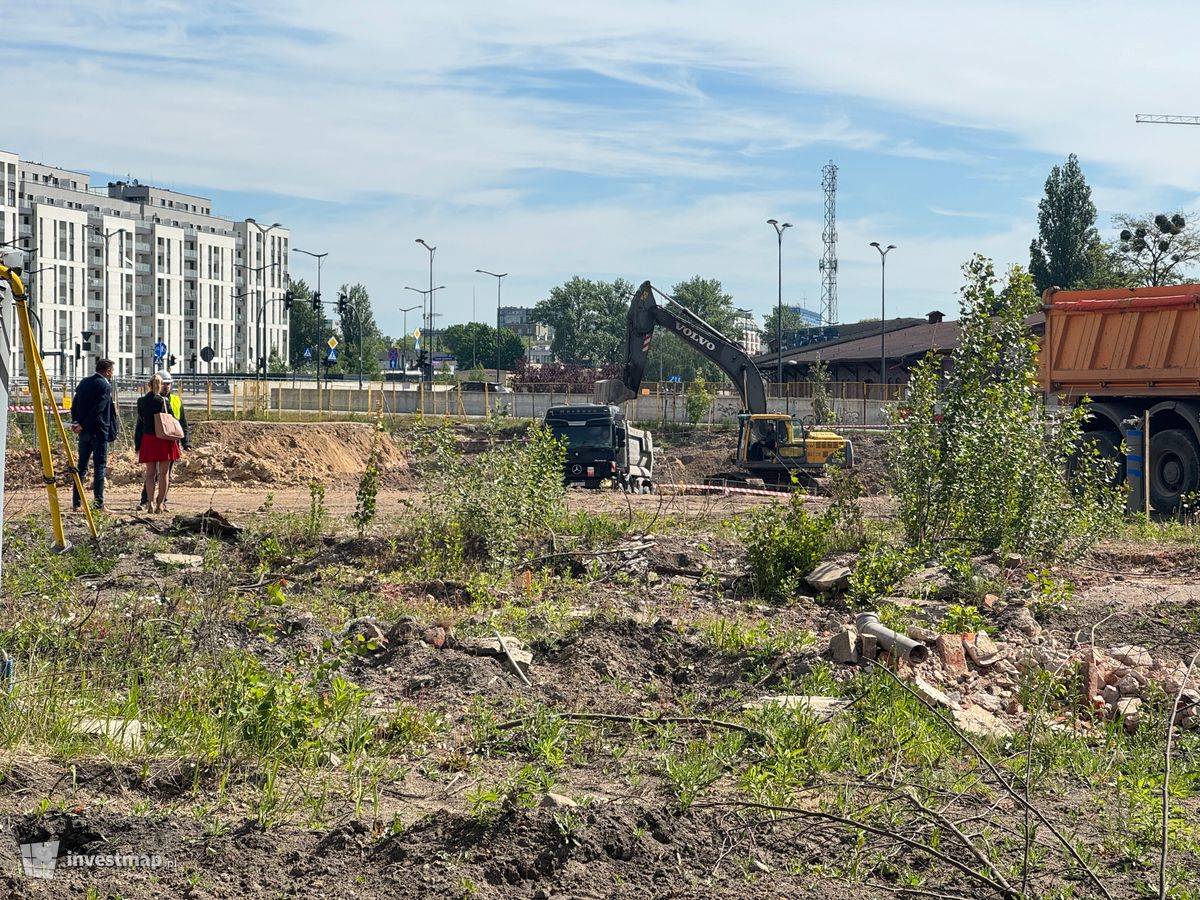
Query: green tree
x=1060 y=256
x=953 y=489
x=474 y=346
x=1155 y=250
x=358 y=324
x=669 y=355
x=588 y=318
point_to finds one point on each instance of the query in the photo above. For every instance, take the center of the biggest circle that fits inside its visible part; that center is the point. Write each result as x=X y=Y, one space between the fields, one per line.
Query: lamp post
x=404 y=311
x=779 y=229
x=262 y=294
x=499 y=278
x=320 y=258
x=99 y=229
x=432 y=251
x=427 y=301
x=262 y=347
x=883 y=252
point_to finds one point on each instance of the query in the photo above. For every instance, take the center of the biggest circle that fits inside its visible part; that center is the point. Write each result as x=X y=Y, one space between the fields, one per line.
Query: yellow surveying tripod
x=37 y=381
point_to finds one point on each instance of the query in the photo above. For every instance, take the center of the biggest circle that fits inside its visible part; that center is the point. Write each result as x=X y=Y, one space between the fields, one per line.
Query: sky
x=642 y=140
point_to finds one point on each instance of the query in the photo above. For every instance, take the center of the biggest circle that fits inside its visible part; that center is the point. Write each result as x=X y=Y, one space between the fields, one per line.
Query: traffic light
x=342 y=304
x=171 y=361
x=316 y=301
x=422 y=359
x=287 y=300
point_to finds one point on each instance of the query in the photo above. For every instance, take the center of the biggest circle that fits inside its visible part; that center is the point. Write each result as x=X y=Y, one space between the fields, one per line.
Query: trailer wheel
x=1108 y=447
x=1174 y=468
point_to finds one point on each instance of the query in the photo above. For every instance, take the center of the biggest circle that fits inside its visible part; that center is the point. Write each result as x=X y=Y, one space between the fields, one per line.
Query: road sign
x=332 y=342
x=308 y=352
x=675 y=379
x=417 y=333
x=160 y=349
x=331 y=356
x=393 y=358
x=208 y=354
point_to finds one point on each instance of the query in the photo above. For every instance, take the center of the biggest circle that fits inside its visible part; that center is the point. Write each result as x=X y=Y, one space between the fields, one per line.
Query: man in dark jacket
x=176 y=405
x=94 y=419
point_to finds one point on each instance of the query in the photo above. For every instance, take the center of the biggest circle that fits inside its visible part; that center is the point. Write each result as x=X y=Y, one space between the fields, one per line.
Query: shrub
x=484 y=507
x=698 y=400
x=980 y=461
x=822 y=406
x=782 y=545
x=879 y=569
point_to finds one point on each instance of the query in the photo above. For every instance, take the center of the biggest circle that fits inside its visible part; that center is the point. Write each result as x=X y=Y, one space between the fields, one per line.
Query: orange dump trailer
x=1133 y=352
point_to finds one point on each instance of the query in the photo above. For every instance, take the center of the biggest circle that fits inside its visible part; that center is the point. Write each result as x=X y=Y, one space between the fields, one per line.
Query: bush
x=782 y=546
x=981 y=462
x=822 y=406
x=484 y=507
x=698 y=401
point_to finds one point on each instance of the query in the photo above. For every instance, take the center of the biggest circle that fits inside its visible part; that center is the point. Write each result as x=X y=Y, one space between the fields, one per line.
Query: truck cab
x=602 y=446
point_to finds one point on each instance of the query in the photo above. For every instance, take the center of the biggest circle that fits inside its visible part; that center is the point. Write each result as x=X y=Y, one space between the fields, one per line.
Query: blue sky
x=641 y=140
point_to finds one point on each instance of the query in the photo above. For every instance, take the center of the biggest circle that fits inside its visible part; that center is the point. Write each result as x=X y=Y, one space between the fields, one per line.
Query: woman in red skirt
x=153 y=449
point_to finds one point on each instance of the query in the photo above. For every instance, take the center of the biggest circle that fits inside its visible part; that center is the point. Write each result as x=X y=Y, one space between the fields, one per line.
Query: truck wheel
x=1108 y=447
x=1174 y=469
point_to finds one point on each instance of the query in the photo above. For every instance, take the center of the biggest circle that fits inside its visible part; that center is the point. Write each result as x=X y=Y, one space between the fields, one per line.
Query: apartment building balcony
x=143 y=309
x=95 y=302
x=189 y=294
x=142 y=268
x=26 y=229
x=141 y=247
x=190 y=254
x=189 y=331
x=94 y=238
x=143 y=287
x=143 y=330
x=95 y=281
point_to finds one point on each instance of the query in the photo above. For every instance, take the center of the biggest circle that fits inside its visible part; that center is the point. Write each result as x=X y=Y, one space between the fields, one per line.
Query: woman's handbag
x=167 y=427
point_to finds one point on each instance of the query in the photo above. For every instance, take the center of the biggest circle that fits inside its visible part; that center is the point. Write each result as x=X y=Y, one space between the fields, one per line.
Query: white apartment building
x=114 y=270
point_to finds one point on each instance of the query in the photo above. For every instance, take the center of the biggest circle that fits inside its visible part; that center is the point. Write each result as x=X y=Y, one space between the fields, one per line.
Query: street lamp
x=99 y=229
x=779 y=229
x=432 y=251
x=427 y=300
x=404 y=311
x=883 y=252
x=262 y=337
x=262 y=347
x=320 y=258
x=499 y=278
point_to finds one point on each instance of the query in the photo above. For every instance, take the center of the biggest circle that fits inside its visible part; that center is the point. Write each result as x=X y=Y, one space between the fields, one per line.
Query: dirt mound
x=273 y=453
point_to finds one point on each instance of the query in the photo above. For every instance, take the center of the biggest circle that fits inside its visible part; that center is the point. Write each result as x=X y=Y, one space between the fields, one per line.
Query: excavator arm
x=644 y=314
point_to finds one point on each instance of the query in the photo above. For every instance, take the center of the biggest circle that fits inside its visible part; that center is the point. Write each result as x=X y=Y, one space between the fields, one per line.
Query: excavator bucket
x=609 y=391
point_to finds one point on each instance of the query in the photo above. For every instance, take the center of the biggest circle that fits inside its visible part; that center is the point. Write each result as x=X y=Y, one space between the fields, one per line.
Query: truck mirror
x=620 y=437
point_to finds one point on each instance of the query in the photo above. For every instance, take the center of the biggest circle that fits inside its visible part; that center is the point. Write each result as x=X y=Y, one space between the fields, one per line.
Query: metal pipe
x=892 y=641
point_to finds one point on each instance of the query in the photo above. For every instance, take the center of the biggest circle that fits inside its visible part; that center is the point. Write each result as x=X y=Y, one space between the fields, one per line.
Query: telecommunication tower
x=829 y=265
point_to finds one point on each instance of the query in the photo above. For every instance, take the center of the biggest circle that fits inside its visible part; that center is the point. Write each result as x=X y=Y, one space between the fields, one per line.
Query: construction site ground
x=630 y=735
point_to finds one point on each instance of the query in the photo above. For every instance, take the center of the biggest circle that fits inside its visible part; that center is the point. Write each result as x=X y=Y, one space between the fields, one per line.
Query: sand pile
x=247 y=453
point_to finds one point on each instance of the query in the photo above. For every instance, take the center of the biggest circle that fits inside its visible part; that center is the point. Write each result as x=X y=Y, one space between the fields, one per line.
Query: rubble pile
x=976 y=675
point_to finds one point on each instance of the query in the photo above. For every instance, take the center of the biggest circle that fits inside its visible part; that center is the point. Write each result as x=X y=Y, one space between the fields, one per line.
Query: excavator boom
x=644 y=314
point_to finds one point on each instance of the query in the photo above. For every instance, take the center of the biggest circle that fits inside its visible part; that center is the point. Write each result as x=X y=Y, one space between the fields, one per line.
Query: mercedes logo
x=576 y=469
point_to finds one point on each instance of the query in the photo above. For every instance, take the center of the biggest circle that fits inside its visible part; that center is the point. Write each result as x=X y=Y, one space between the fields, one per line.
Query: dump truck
x=1135 y=353
x=601 y=446
x=772 y=448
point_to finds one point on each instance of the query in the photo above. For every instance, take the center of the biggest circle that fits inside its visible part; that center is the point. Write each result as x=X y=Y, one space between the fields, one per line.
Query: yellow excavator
x=772 y=447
